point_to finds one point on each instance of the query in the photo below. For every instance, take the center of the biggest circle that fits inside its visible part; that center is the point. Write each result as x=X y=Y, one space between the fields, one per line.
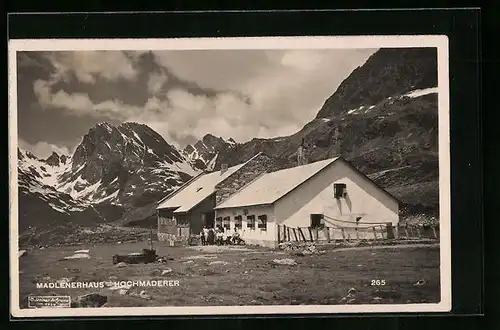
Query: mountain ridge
x=382 y=118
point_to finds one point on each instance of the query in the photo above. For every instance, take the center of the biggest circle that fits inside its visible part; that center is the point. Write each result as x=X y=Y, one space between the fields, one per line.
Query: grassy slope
x=249 y=278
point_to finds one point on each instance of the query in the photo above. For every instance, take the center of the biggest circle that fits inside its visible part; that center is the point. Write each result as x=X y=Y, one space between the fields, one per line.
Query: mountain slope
x=383 y=119
x=203 y=154
x=120 y=172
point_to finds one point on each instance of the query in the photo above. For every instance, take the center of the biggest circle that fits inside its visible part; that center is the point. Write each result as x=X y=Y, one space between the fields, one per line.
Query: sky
x=182 y=94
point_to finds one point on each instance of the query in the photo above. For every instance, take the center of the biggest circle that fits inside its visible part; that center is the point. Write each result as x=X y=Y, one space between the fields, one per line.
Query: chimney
x=223 y=168
x=301 y=154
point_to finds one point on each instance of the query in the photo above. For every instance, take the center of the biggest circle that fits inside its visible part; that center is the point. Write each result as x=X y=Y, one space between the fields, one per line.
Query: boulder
x=90 y=300
x=77 y=256
x=289 y=262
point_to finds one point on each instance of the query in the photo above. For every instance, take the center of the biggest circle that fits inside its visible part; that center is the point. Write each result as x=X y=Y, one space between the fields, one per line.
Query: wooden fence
x=355 y=233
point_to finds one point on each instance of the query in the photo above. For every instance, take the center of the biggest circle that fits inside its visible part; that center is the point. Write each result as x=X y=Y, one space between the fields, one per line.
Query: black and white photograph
x=229 y=176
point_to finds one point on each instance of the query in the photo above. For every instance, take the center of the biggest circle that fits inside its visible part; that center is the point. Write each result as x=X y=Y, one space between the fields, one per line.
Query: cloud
x=42 y=149
x=156 y=82
x=80 y=104
x=187 y=94
x=86 y=66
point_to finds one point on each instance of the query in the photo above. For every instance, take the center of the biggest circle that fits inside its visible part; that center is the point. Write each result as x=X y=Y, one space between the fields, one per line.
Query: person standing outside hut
x=203 y=235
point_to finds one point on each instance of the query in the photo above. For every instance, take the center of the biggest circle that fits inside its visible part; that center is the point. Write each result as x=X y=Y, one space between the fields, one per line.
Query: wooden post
x=419 y=232
x=302 y=234
x=374 y=233
x=328 y=234
x=406 y=230
x=310 y=234
x=295 y=234
x=279 y=238
x=343 y=235
x=288 y=234
x=284 y=233
x=434 y=231
x=357 y=233
x=317 y=234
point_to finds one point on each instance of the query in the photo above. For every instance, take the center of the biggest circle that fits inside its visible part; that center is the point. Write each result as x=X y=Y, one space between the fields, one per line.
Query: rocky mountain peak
x=53 y=159
x=388 y=72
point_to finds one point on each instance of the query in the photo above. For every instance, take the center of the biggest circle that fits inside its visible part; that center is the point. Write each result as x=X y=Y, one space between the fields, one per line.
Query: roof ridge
x=328 y=162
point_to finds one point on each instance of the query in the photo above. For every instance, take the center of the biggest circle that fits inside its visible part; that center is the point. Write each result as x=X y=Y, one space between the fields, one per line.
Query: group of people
x=218 y=236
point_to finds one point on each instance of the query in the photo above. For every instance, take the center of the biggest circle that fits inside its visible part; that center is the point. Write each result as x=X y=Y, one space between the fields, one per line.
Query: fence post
x=374 y=233
x=288 y=234
x=284 y=233
x=390 y=230
x=406 y=230
x=310 y=234
x=357 y=233
x=434 y=231
x=343 y=235
x=295 y=234
x=302 y=234
x=279 y=236
x=419 y=232
x=328 y=234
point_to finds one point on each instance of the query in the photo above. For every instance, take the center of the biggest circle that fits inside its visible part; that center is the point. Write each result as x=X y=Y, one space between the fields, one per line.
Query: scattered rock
x=82 y=251
x=203 y=256
x=123 y=291
x=119 y=242
x=77 y=256
x=22 y=253
x=121 y=265
x=376 y=299
x=142 y=295
x=289 y=262
x=166 y=271
x=73 y=270
x=219 y=262
x=90 y=300
x=63 y=280
x=113 y=278
x=189 y=262
x=420 y=283
x=350 y=297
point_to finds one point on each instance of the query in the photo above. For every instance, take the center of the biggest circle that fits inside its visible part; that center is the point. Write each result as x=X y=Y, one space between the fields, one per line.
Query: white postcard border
x=321 y=42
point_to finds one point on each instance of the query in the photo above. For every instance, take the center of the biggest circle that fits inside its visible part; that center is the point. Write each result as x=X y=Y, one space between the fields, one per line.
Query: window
x=226 y=223
x=237 y=222
x=218 y=222
x=251 y=221
x=317 y=221
x=339 y=190
x=262 y=224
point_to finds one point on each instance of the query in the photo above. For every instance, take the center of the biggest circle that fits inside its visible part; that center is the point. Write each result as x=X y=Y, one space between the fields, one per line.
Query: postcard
x=229 y=176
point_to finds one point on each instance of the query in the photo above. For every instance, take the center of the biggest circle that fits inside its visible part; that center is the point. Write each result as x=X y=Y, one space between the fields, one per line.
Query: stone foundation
x=264 y=243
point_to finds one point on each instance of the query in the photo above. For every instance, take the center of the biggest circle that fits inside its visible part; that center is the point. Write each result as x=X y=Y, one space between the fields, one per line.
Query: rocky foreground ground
x=223 y=276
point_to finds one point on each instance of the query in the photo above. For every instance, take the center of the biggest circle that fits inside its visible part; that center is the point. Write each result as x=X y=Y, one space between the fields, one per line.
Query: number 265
x=378 y=282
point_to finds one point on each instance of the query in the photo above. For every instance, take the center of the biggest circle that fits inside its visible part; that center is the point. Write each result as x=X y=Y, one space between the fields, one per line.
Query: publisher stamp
x=49 y=301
